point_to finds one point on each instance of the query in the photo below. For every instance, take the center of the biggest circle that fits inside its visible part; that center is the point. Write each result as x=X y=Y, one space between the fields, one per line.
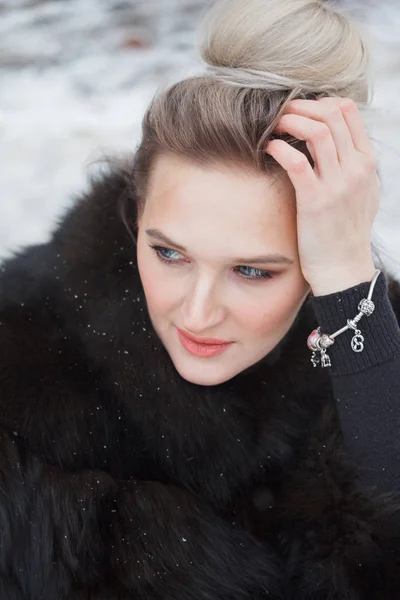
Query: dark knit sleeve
x=366 y=384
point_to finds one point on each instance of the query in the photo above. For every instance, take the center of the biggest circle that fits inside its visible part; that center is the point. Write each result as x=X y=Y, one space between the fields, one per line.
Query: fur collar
x=221 y=437
x=95 y=416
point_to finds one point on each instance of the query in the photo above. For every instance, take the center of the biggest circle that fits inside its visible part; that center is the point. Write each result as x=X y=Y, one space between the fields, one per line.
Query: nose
x=202 y=308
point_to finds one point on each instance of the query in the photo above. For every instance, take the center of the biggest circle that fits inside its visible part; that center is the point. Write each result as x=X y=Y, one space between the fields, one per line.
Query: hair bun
x=285 y=44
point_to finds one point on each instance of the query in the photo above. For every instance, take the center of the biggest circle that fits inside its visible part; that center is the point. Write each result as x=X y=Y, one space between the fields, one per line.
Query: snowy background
x=77 y=75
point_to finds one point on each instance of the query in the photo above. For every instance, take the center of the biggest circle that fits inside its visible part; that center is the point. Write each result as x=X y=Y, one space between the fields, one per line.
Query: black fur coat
x=119 y=479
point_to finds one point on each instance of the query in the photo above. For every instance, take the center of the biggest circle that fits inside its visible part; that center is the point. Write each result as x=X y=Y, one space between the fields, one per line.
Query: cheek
x=270 y=315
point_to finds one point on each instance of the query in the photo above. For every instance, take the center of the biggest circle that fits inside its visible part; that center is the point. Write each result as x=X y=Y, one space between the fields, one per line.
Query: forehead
x=219 y=200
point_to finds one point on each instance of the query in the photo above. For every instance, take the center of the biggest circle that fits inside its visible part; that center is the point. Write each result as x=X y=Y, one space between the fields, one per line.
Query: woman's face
x=208 y=246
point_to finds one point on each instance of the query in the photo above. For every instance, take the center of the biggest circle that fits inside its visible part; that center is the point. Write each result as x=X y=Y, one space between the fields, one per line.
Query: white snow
x=77 y=75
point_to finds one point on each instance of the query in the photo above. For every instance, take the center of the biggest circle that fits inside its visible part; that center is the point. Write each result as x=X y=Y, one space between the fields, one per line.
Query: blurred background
x=76 y=77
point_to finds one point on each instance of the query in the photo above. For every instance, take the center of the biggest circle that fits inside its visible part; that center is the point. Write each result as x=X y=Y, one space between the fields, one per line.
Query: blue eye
x=167 y=254
x=253 y=273
x=246 y=273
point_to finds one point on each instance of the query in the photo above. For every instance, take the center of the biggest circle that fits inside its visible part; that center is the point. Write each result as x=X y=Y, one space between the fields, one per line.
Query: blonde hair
x=260 y=55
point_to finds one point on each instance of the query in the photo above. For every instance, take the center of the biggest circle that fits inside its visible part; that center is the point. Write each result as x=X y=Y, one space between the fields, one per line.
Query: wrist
x=338 y=281
x=380 y=329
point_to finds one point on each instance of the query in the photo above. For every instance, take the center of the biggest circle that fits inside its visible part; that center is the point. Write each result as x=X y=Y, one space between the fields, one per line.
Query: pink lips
x=204 y=347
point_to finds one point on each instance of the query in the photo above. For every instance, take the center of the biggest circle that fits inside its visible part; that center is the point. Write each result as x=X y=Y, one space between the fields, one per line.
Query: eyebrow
x=277 y=259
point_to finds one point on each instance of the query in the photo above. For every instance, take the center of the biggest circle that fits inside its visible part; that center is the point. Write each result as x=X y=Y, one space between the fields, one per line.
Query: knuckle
x=348 y=104
x=321 y=131
x=335 y=111
x=331 y=107
x=299 y=164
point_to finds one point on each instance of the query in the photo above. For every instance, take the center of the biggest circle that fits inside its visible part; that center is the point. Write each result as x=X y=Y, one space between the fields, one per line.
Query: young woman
x=165 y=430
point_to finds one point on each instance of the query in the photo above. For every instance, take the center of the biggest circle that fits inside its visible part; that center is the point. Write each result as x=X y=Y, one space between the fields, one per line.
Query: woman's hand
x=338 y=199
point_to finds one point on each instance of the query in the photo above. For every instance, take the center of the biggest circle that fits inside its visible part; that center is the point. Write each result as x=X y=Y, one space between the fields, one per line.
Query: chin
x=206 y=374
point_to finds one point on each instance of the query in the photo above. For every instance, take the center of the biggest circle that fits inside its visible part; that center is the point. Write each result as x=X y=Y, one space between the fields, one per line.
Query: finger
x=318 y=135
x=295 y=164
x=311 y=151
x=356 y=126
x=328 y=111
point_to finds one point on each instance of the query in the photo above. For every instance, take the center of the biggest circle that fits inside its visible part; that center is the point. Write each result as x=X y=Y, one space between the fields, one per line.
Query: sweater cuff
x=380 y=330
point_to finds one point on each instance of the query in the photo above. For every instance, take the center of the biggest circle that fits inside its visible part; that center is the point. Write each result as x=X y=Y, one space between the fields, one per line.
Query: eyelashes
x=253 y=273
x=174 y=258
x=162 y=253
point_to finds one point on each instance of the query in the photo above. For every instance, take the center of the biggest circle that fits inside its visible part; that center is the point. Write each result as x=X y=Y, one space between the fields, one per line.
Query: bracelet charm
x=366 y=306
x=318 y=342
x=357 y=342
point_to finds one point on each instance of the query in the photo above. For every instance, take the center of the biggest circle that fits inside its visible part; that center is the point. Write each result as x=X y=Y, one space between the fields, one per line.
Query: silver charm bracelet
x=318 y=342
